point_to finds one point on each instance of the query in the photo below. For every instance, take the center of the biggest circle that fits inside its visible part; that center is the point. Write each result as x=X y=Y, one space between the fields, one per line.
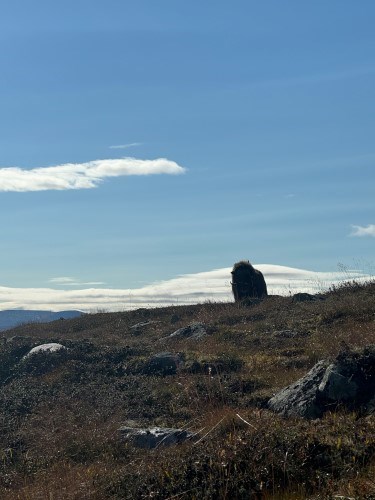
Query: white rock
x=52 y=347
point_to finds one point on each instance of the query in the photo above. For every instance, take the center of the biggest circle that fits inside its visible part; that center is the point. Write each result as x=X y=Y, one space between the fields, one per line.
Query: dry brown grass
x=59 y=415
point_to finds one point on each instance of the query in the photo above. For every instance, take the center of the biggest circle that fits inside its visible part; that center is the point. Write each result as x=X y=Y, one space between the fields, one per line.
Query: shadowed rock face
x=348 y=382
x=247 y=282
x=163 y=363
x=300 y=399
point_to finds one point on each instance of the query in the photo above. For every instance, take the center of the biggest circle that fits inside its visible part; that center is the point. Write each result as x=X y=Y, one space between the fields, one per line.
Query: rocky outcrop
x=348 y=382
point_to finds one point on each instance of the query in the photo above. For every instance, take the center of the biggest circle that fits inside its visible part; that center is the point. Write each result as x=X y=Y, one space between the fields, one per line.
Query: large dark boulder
x=348 y=382
x=247 y=282
x=300 y=398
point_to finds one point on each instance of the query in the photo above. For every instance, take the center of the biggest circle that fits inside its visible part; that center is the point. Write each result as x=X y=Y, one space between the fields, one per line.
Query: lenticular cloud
x=186 y=289
x=81 y=175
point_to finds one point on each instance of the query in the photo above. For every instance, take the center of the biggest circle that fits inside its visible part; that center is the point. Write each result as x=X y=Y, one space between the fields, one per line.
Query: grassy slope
x=59 y=415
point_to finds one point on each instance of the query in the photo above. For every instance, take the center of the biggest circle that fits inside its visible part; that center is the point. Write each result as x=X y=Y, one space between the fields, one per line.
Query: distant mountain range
x=15 y=317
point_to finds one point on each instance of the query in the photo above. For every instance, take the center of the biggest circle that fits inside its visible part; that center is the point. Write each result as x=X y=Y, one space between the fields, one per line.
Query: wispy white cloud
x=63 y=280
x=68 y=281
x=82 y=175
x=126 y=146
x=363 y=230
x=186 y=289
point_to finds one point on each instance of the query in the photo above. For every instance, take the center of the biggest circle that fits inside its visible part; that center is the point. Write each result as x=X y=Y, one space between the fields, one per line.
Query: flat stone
x=154 y=437
x=47 y=348
x=142 y=325
x=193 y=331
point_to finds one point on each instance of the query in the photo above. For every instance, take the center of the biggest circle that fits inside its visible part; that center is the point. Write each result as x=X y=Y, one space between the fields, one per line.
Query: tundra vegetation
x=60 y=411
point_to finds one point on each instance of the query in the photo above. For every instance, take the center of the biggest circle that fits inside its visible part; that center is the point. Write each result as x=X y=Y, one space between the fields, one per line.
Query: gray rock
x=163 y=363
x=336 y=387
x=193 y=331
x=51 y=347
x=141 y=325
x=348 y=382
x=300 y=398
x=154 y=436
x=138 y=328
x=18 y=339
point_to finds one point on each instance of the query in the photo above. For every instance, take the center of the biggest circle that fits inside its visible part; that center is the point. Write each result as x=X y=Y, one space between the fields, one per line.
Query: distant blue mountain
x=15 y=317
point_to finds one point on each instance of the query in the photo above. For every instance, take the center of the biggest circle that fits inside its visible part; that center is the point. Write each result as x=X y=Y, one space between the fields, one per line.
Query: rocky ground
x=191 y=402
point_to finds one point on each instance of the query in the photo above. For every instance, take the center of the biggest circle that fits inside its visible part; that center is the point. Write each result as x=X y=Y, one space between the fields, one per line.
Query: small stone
x=154 y=437
x=193 y=331
x=303 y=297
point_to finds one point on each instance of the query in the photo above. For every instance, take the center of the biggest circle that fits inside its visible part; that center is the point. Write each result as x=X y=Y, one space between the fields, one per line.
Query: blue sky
x=253 y=123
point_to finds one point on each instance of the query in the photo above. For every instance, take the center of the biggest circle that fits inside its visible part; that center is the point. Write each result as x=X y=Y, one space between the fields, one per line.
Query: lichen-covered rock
x=51 y=347
x=154 y=436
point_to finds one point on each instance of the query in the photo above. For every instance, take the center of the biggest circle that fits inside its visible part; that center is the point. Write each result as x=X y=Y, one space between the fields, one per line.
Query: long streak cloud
x=186 y=289
x=82 y=175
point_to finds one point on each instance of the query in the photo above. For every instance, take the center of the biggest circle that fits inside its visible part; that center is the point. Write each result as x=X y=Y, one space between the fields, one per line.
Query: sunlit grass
x=59 y=416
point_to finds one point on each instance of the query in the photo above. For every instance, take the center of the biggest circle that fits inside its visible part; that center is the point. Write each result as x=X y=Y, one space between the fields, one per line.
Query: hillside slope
x=60 y=412
x=14 y=317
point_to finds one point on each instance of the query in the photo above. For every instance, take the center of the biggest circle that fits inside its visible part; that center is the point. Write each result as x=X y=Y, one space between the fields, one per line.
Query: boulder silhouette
x=247 y=282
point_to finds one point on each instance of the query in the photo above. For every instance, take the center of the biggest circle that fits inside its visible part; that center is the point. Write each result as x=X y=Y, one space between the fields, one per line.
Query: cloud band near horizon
x=186 y=289
x=82 y=175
